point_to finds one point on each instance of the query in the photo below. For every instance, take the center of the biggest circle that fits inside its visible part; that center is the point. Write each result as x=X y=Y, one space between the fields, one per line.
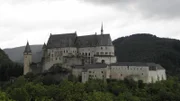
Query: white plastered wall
x=121 y=72
x=156 y=75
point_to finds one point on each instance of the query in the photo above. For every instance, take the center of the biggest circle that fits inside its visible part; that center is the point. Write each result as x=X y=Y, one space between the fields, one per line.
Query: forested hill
x=149 y=48
x=4 y=58
x=8 y=68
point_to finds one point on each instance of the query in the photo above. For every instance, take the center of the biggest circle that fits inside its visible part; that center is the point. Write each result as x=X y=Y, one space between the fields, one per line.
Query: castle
x=90 y=57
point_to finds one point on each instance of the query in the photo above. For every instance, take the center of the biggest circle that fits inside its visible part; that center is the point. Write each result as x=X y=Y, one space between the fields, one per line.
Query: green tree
x=4 y=97
x=99 y=96
x=19 y=94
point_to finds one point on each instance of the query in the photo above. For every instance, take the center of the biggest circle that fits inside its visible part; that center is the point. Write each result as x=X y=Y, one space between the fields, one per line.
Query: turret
x=44 y=50
x=102 y=30
x=27 y=59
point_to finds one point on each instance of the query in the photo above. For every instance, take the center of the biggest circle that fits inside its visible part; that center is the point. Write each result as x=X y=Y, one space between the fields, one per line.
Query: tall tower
x=27 y=59
x=102 y=30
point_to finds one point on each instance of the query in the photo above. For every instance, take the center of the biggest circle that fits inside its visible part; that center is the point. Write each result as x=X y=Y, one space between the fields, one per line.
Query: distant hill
x=16 y=54
x=149 y=48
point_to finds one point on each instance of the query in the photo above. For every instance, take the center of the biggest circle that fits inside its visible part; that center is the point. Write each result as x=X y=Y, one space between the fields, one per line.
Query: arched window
x=102 y=61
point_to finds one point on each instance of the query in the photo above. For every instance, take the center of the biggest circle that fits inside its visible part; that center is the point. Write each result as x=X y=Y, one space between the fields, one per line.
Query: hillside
x=4 y=57
x=149 y=48
x=16 y=54
x=8 y=68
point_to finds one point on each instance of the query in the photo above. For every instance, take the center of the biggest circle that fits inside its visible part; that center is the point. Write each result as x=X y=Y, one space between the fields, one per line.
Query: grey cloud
x=147 y=8
x=23 y=1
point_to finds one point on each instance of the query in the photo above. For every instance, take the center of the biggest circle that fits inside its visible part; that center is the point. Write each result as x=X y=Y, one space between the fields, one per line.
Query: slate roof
x=152 y=66
x=94 y=40
x=90 y=66
x=129 y=64
x=62 y=40
x=44 y=46
x=27 y=48
x=72 y=40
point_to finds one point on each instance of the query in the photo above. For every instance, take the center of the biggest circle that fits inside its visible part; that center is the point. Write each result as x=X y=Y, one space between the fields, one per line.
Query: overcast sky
x=34 y=20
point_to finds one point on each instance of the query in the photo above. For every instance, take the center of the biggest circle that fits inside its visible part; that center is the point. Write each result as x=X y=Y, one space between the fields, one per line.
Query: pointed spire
x=27 y=48
x=102 y=30
x=44 y=46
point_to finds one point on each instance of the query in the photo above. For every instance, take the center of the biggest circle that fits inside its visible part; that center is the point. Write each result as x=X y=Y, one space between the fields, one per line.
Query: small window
x=101 y=47
x=89 y=54
x=121 y=74
x=142 y=73
x=97 y=53
x=102 y=53
x=101 y=71
x=106 y=53
x=89 y=71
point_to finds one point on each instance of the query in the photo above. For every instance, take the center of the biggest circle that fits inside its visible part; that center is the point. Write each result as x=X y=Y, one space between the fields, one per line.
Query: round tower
x=27 y=59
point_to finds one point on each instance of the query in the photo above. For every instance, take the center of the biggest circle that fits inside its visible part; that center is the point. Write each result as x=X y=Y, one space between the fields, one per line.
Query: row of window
x=128 y=68
x=122 y=75
x=65 y=51
x=93 y=72
x=94 y=76
x=104 y=53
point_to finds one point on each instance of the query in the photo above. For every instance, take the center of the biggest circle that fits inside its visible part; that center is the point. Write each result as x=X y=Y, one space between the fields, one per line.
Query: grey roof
x=71 y=40
x=94 y=40
x=27 y=48
x=129 y=64
x=44 y=46
x=90 y=66
x=153 y=66
x=62 y=40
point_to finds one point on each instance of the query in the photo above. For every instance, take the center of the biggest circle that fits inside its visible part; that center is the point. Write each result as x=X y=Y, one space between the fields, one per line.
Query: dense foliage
x=149 y=48
x=95 y=90
x=8 y=69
